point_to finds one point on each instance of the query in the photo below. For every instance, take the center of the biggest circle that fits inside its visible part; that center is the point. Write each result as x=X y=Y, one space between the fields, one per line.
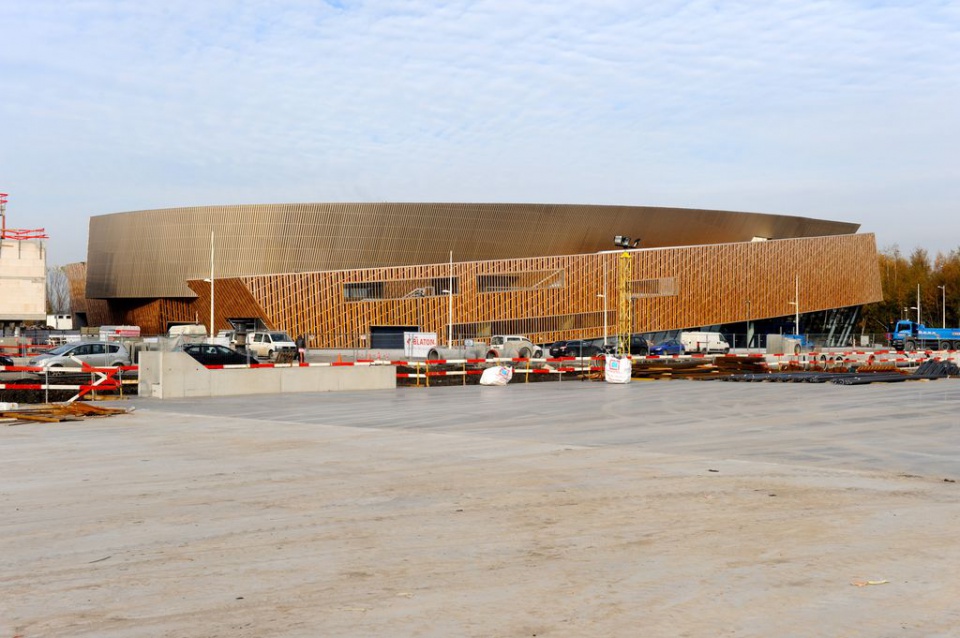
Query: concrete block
x=169 y=375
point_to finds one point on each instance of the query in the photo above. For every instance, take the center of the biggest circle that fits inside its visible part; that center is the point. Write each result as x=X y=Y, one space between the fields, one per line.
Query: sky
x=841 y=110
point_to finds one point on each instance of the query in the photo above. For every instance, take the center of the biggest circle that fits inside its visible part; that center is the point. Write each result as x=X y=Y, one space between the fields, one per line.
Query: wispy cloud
x=836 y=109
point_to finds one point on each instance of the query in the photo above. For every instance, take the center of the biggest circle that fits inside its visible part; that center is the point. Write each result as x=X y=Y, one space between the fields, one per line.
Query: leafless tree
x=58 y=291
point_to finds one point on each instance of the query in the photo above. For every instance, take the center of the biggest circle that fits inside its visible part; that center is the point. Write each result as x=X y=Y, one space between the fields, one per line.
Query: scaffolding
x=17 y=234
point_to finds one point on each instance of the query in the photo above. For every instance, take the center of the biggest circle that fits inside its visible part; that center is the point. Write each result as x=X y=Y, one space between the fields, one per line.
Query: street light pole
x=797 y=297
x=943 y=303
x=211 y=286
x=450 y=305
x=918 y=305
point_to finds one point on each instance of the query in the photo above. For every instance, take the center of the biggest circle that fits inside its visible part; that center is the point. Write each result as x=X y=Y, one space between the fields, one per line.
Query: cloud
x=841 y=110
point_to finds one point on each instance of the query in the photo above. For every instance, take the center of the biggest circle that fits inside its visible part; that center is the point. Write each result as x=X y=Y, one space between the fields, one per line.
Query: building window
x=520 y=281
x=399 y=289
x=363 y=291
x=443 y=283
x=662 y=287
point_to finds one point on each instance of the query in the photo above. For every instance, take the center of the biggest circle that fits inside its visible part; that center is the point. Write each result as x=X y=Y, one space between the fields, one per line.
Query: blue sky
x=843 y=110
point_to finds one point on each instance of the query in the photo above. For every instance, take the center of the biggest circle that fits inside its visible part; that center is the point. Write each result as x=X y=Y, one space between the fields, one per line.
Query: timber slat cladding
x=152 y=254
x=274 y=262
x=710 y=285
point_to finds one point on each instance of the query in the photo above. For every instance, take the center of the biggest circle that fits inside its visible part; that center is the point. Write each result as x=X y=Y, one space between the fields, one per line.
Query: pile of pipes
x=927 y=371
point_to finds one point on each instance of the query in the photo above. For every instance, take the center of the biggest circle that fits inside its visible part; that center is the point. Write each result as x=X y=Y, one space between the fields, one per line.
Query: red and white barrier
x=104 y=379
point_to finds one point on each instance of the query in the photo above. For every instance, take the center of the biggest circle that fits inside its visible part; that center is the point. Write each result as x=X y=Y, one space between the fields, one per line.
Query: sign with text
x=116 y=332
x=418 y=344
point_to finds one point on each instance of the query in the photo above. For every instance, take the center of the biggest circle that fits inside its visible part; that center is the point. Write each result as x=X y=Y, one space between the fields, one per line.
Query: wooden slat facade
x=673 y=288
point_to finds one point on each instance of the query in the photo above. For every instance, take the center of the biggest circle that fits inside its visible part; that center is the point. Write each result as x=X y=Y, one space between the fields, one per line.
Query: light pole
x=943 y=303
x=797 y=297
x=211 y=286
x=796 y=304
x=918 y=305
x=450 y=305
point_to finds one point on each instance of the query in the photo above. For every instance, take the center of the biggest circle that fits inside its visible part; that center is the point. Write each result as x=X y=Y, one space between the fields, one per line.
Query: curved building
x=341 y=271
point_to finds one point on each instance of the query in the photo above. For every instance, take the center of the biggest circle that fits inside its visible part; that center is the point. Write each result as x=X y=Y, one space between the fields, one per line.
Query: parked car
x=670 y=346
x=5 y=360
x=510 y=346
x=638 y=345
x=580 y=348
x=99 y=354
x=269 y=344
x=212 y=354
x=556 y=348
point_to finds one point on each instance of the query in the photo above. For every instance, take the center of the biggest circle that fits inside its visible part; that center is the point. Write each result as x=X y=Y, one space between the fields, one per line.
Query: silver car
x=99 y=354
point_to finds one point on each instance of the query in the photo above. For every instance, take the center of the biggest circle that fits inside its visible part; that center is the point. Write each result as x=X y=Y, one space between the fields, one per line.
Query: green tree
x=902 y=278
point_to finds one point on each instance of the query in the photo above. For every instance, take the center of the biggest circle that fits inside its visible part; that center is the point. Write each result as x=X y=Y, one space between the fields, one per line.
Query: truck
x=910 y=335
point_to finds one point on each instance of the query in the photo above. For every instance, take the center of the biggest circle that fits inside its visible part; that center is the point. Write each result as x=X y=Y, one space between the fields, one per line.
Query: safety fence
x=85 y=380
x=434 y=369
x=94 y=382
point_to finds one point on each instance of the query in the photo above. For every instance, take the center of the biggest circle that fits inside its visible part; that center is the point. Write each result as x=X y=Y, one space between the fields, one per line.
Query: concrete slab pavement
x=565 y=509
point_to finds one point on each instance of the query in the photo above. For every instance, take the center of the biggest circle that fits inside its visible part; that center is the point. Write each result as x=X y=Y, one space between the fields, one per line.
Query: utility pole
x=212 y=331
x=918 y=304
x=943 y=303
x=450 y=305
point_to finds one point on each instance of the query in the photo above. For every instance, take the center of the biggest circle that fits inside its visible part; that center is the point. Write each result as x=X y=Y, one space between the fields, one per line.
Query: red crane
x=18 y=234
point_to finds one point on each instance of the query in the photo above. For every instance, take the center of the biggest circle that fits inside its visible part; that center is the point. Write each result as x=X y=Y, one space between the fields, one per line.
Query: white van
x=706 y=342
x=270 y=344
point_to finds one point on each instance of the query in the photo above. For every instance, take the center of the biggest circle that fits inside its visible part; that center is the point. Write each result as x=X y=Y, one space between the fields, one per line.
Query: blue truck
x=909 y=335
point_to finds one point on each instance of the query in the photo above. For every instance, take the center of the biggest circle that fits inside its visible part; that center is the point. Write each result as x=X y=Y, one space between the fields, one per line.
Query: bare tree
x=58 y=291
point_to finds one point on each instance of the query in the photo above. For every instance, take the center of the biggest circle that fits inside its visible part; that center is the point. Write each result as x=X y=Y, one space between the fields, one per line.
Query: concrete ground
x=672 y=508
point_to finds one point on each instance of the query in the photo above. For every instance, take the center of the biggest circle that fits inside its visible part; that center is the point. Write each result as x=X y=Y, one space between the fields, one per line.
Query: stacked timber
x=55 y=413
x=669 y=369
x=736 y=364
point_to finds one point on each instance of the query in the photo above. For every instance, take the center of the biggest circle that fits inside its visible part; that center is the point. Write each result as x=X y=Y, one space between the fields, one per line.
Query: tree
x=900 y=280
x=58 y=291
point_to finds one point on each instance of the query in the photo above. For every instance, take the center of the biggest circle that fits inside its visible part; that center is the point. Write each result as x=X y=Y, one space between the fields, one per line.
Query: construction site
x=23 y=275
x=550 y=509
x=366 y=480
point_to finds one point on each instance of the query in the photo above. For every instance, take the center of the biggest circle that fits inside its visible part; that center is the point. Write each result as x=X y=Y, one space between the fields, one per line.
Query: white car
x=269 y=344
x=510 y=346
x=99 y=354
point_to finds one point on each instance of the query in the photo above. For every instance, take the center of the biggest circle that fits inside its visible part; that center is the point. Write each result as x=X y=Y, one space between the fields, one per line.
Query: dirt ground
x=222 y=521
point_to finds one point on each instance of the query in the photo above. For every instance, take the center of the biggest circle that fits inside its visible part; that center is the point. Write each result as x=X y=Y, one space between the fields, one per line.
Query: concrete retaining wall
x=171 y=375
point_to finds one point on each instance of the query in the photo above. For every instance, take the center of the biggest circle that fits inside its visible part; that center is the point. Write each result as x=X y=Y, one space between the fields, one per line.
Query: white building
x=23 y=282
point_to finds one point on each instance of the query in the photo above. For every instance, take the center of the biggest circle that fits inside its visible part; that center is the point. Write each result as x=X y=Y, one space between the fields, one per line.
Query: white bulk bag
x=617 y=369
x=498 y=375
